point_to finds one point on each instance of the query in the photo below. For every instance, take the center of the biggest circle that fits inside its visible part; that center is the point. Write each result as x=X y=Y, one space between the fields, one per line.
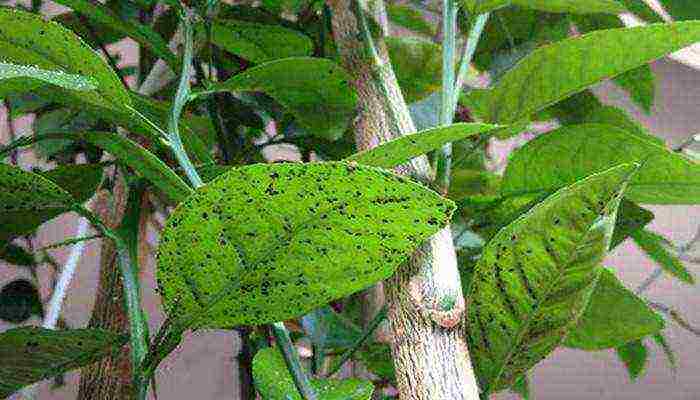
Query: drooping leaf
x=398 y=151
x=30 y=355
x=315 y=90
x=614 y=316
x=27 y=39
x=655 y=246
x=27 y=200
x=634 y=355
x=552 y=73
x=630 y=218
x=290 y=238
x=572 y=152
x=142 y=34
x=80 y=180
x=417 y=64
x=259 y=43
x=19 y=300
x=58 y=78
x=408 y=17
x=535 y=277
x=274 y=382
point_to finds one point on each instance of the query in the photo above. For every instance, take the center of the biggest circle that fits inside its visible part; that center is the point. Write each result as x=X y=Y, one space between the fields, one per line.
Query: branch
x=291 y=358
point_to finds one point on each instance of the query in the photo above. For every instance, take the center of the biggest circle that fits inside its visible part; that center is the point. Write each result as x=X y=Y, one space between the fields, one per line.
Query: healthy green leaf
x=408 y=17
x=573 y=152
x=417 y=65
x=142 y=34
x=287 y=238
x=614 y=316
x=27 y=200
x=58 y=78
x=27 y=39
x=682 y=9
x=655 y=246
x=482 y=6
x=630 y=218
x=405 y=148
x=661 y=341
x=260 y=43
x=535 y=277
x=315 y=90
x=274 y=382
x=552 y=73
x=634 y=355
x=30 y=355
x=641 y=85
x=561 y=6
x=80 y=180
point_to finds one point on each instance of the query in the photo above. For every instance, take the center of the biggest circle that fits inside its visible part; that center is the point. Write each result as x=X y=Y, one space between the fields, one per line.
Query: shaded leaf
x=552 y=73
x=682 y=9
x=16 y=255
x=274 y=382
x=378 y=360
x=641 y=85
x=30 y=355
x=563 y=6
x=634 y=355
x=259 y=43
x=80 y=180
x=655 y=246
x=315 y=90
x=535 y=277
x=572 y=152
x=417 y=64
x=410 y=18
x=614 y=316
x=630 y=218
x=405 y=148
x=19 y=300
x=287 y=238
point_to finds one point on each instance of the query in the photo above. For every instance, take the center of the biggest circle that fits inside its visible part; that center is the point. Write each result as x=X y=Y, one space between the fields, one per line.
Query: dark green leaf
x=682 y=9
x=634 y=355
x=408 y=17
x=378 y=360
x=655 y=246
x=552 y=73
x=274 y=382
x=16 y=255
x=630 y=218
x=316 y=91
x=405 y=148
x=660 y=340
x=614 y=316
x=573 y=152
x=80 y=180
x=562 y=6
x=290 y=238
x=27 y=39
x=641 y=85
x=30 y=355
x=535 y=277
x=28 y=200
x=259 y=43
x=417 y=64
x=19 y=300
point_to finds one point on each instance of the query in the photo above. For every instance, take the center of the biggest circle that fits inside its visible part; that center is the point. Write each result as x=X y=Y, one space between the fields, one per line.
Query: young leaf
x=259 y=43
x=142 y=34
x=27 y=200
x=614 y=316
x=573 y=152
x=27 y=39
x=30 y=355
x=58 y=78
x=655 y=246
x=80 y=180
x=289 y=238
x=274 y=382
x=552 y=73
x=315 y=90
x=634 y=355
x=535 y=277
x=398 y=151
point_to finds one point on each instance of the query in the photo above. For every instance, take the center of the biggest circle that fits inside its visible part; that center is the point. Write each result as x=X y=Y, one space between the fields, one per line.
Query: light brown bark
x=425 y=298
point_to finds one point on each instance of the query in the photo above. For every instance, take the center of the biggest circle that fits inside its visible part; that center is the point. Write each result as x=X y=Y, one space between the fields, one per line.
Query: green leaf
x=288 y=238
x=570 y=153
x=142 y=34
x=259 y=43
x=634 y=355
x=405 y=148
x=682 y=9
x=557 y=6
x=640 y=83
x=28 y=200
x=661 y=341
x=552 y=73
x=410 y=18
x=31 y=355
x=417 y=64
x=80 y=180
x=19 y=300
x=655 y=246
x=58 y=78
x=378 y=360
x=27 y=39
x=535 y=277
x=630 y=218
x=610 y=115
x=315 y=90
x=483 y=6
x=614 y=316
x=274 y=382
x=16 y=255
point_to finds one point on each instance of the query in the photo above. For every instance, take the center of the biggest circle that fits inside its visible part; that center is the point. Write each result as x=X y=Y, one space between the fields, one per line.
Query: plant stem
x=446 y=112
x=468 y=54
x=291 y=358
x=360 y=341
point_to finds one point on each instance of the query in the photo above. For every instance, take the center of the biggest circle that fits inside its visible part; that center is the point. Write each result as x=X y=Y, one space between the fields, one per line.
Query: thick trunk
x=109 y=379
x=425 y=297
